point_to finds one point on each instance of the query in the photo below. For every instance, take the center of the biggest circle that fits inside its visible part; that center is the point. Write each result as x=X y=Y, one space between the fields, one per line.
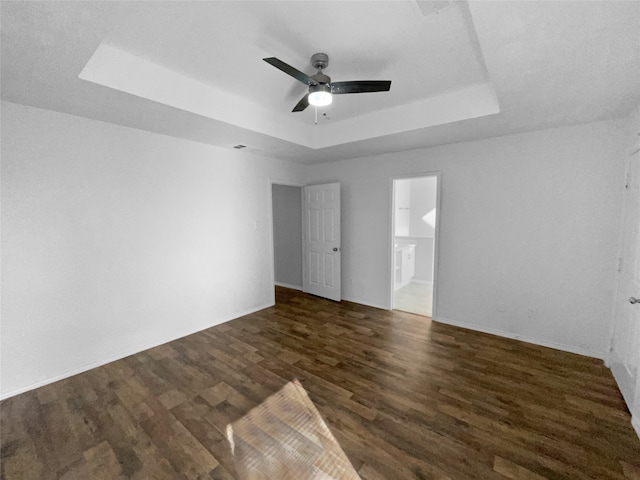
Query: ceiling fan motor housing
x=320 y=78
x=320 y=60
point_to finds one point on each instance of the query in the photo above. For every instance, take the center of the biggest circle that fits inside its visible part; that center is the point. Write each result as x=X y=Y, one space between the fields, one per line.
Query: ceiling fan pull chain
x=316 y=115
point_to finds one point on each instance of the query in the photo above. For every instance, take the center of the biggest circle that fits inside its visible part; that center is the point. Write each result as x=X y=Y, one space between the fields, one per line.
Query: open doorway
x=286 y=203
x=309 y=258
x=414 y=235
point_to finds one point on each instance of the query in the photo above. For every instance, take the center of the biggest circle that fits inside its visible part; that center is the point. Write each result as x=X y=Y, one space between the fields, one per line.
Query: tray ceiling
x=194 y=69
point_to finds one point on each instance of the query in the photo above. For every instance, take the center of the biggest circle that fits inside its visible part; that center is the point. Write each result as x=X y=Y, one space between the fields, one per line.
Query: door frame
x=272 y=252
x=391 y=236
x=615 y=359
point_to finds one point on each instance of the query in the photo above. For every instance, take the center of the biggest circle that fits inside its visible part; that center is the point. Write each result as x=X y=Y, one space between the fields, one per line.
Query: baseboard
x=288 y=285
x=124 y=354
x=522 y=338
x=624 y=379
x=635 y=421
x=362 y=302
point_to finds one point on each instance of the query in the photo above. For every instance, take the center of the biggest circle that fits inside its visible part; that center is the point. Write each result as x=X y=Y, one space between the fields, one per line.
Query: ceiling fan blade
x=360 y=86
x=289 y=70
x=302 y=104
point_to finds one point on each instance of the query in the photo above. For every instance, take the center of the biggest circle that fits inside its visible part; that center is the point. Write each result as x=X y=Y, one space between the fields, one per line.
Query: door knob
x=634 y=300
x=335 y=249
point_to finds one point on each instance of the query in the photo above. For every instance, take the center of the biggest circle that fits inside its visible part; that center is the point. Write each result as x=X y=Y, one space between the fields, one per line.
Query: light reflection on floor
x=286 y=438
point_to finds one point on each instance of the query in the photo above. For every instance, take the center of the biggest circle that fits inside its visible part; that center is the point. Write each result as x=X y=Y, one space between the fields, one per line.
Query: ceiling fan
x=321 y=88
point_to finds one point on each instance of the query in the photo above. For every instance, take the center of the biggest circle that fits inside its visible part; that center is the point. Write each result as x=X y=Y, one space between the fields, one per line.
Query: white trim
x=619 y=247
x=366 y=304
x=288 y=285
x=418 y=280
x=124 y=354
x=286 y=183
x=522 y=338
x=436 y=246
x=391 y=273
x=635 y=421
x=623 y=377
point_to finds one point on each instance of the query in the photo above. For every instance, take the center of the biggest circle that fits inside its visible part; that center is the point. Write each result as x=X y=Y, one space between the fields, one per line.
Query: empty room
x=217 y=218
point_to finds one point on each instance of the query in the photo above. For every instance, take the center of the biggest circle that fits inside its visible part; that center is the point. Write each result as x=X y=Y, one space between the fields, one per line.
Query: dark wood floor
x=405 y=398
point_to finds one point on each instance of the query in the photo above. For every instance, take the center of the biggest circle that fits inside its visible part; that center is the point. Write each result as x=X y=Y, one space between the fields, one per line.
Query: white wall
x=402 y=208
x=528 y=228
x=424 y=258
x=423 y=200
x=115 y=240
x=287 y=235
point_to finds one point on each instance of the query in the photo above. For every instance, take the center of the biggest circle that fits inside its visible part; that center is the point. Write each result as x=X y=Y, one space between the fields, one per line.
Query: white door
x=321 y=241
x=625 y=345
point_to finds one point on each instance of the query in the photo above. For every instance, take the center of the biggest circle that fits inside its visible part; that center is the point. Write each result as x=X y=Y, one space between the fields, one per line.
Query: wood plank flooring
x=404 y=397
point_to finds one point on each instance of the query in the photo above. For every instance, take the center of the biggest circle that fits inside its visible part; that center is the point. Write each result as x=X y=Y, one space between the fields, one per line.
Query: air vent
x=245 y=148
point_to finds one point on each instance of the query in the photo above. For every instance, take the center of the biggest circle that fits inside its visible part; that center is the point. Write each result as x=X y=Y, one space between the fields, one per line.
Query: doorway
x=286 y=204
x=414 y=242
x=305 y=226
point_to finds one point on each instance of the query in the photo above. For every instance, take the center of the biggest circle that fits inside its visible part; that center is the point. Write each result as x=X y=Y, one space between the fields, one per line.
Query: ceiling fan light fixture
x=320 y=95
x=320 y=87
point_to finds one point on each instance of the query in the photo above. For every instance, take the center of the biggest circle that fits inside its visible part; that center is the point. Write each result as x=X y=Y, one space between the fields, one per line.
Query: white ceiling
x=459 y=70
